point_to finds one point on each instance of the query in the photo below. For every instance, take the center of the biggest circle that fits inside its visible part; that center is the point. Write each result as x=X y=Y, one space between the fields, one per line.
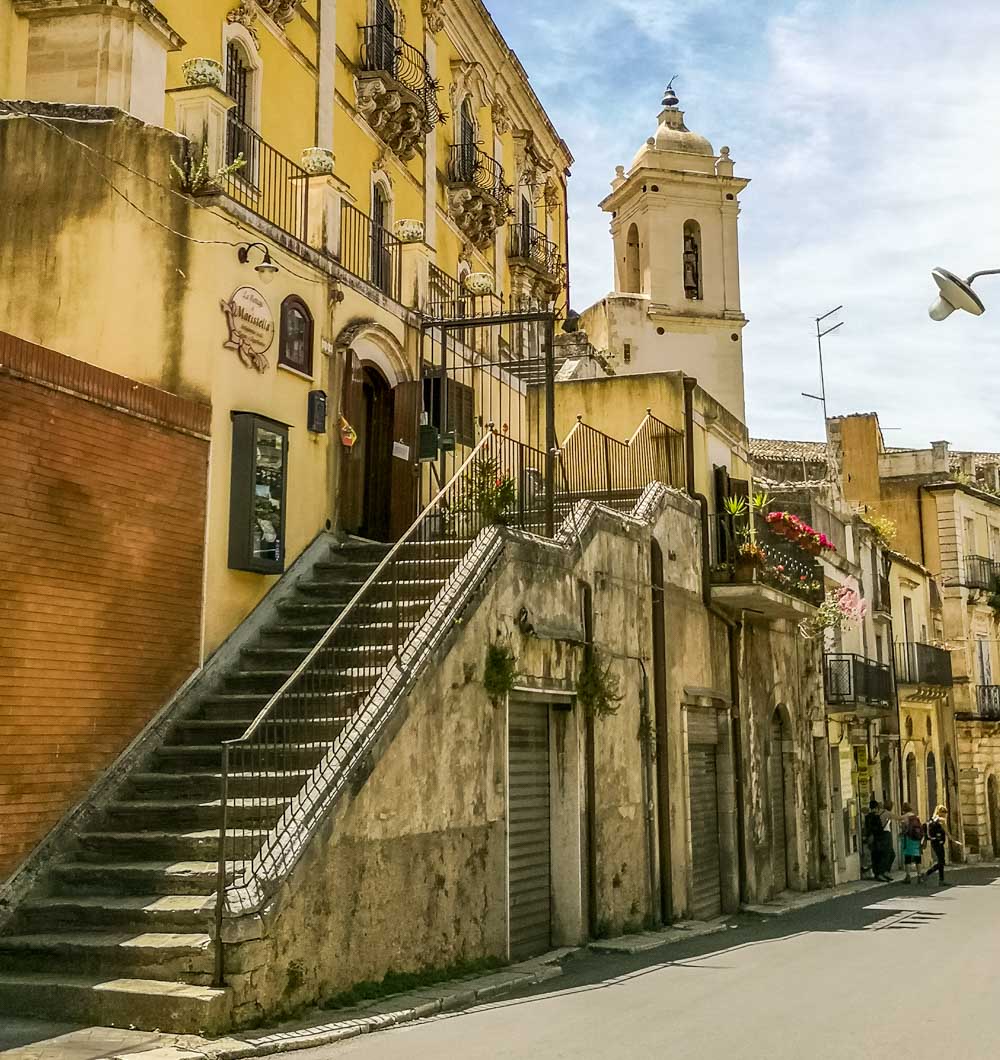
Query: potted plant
x=750 y=558
x=318 y=161
x=408 y=230
x=202 y=71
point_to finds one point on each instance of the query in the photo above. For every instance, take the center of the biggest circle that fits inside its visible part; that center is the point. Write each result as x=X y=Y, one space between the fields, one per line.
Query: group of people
x=914 y=836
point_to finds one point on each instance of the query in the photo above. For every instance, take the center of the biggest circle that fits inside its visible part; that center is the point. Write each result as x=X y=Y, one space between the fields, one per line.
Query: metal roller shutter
x=776 y=794
x=528 y=830
x=706 y=860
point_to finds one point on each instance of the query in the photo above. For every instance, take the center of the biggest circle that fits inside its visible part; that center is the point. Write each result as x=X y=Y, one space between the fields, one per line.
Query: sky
x=870 y=132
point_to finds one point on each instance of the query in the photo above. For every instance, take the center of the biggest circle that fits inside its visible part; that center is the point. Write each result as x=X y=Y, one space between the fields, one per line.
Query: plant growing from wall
x=840 y=610
x=499 y=671
x=884 y=527
x=598 y=688
x=491 y=491
x=195 y=177
x=994 y=599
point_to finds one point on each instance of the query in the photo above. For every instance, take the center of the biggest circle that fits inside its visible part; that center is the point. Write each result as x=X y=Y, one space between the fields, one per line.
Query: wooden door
x=353 y=459
x=407 y=402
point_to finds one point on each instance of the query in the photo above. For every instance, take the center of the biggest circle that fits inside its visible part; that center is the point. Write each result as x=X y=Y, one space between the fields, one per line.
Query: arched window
x=243 y=84
x=381 y=243
x=382 y=37
x=632 y=280
x=932 y=792
x=466 y=140
x=692 y=260
x=295 y=348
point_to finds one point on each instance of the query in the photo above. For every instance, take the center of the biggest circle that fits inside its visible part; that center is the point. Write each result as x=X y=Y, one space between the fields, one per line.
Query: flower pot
x=744 y=569
x=317 y=161
x=408 y=230
x=203 y=72
x=478 y=283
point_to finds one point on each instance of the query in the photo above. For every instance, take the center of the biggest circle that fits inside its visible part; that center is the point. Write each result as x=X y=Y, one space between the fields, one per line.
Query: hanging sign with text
x=251 y=326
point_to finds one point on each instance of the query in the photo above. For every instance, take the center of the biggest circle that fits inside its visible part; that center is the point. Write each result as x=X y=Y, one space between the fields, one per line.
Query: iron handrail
x=922 y=664
x=370 y=251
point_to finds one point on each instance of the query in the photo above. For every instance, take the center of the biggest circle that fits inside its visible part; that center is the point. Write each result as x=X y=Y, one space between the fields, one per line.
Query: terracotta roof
x=776 y=449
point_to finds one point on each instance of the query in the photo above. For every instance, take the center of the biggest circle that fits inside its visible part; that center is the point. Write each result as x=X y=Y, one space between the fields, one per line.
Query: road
x=894 y=971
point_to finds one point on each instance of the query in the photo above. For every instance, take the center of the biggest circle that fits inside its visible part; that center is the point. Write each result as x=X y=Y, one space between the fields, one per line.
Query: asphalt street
x=907 y=971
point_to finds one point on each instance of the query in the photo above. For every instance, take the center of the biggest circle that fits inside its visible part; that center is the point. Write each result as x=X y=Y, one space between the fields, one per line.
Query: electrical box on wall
x=316 y=418
x=258 y=494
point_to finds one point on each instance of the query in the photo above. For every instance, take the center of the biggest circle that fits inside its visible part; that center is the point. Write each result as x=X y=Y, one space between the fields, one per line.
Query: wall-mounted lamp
x=266 y=268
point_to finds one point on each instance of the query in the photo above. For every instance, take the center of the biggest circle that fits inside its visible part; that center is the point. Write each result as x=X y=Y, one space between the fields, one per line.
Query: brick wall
x=102 y=521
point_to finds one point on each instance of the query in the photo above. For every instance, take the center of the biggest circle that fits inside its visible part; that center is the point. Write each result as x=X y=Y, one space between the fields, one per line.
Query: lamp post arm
x=982 y=272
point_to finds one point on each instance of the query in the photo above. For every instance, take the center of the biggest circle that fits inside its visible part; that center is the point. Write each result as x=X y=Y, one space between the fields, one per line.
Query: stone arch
x=377 y=15
x=631 y=273
x=376 y=346
x=911 y=777
x=931 y=773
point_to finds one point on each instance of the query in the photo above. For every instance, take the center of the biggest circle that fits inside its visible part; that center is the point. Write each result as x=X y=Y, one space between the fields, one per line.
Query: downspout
x=590 y=766
x=706 y=591
x=662 y=722
x=647 y=784
x=920 y=522
x=565 y=185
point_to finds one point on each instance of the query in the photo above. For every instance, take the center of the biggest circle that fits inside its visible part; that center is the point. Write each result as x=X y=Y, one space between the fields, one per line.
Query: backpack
x=914 y=829
x=935 y=831
x=873 y=825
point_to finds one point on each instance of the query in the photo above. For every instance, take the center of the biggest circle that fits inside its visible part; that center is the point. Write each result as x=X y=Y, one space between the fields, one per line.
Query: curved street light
x=956 y=293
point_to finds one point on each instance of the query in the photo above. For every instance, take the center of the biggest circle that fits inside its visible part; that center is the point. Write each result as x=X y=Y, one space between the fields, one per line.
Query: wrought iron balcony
x=988 y=702
x=527 y=245
x=478 y=193
x=981 y=572
x=269 y=184
x=773 y=577
x=923 y=664
x=396 y=93
x=855 y=684
x=369 y=251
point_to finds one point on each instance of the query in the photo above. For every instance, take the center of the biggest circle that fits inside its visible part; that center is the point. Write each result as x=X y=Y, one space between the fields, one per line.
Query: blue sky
x=870 y=131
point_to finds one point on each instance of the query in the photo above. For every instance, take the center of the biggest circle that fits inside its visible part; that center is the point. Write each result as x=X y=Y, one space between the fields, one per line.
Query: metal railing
x=615 y=472
x=271 y=185
x=384 y=51
x=853 y=680
x=370 y=252
x=527 y=243
x=883 y=595
x=264 y=813
x=922 y=664
x=981 y=572
x=988 y=701
x=779 y=564
x=469 y=165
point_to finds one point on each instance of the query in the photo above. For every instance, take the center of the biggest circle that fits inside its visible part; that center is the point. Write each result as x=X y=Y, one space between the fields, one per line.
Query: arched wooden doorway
x=377 y=410
x=912 y=792
x=993 y=808
x=777 y=787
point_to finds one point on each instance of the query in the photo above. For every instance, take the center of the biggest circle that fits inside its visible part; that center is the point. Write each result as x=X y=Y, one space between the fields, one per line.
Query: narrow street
x=855 y=977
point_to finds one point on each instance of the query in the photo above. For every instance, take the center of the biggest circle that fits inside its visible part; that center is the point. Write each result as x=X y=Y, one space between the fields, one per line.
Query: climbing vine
x=499 y=671
x=598 y=688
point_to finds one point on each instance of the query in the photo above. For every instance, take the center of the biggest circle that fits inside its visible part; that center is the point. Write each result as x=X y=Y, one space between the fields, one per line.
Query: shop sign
x=251 y=326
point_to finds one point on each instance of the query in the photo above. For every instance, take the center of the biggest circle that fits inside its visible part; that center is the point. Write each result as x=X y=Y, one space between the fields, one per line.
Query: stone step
x=359 y=551
x=208 y=784
x=148 y=912
x=136 y=877
x=280 y=726
x=103 y=1000
x=412 y=567
x=182 y=758
x=165 y=955
x=294 y=632
x=315 y=611
x=327 y=667
x=403 y=588
x=196 y=844
x=136 y=815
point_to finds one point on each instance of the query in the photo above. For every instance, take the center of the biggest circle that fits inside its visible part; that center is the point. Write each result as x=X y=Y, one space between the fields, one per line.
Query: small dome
x=673 y=135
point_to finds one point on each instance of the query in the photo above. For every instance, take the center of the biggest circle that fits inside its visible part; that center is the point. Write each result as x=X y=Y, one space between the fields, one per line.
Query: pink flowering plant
x=799 y=532
x=842 y=609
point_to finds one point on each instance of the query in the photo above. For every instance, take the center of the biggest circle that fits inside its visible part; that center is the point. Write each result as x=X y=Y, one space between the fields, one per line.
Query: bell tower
x=676 y=302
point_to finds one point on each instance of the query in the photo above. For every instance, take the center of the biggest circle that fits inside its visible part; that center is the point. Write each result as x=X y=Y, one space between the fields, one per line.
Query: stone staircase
x=116 y=932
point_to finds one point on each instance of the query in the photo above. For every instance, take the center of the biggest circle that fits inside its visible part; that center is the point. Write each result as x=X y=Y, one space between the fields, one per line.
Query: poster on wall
x=251 y=326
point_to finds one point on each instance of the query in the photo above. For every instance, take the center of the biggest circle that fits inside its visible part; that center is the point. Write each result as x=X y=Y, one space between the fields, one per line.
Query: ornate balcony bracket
x=397 y=114
x=476 y=212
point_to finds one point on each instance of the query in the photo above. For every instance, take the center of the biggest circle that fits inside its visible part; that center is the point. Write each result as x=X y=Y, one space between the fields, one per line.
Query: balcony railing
x=785 y=566
x=988 y=701
x=981 y=572
x=369 y=251
x=468 y=165
x=527 y=243
x=922 y=664
x=271 y=185
x=852 y=680
x=383 y=51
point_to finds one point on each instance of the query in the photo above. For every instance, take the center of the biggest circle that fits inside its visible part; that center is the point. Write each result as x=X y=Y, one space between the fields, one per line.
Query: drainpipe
x=662 y=716
x=590 y=765
x=647 y=784
x=920 y=522
x=706 y=592
x=566 y=230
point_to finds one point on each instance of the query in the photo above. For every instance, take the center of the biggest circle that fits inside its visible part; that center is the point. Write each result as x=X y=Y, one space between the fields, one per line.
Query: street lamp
x=956 y=293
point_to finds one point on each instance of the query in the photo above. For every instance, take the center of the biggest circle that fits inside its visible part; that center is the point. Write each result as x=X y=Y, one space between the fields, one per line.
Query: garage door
x=528 y=830
x=705 y=833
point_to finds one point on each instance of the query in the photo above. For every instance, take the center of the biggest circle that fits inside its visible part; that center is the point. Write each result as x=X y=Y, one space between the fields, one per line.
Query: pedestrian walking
x=872 y=826
x=883 y=854
x=938 y=836
x=912 y=832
